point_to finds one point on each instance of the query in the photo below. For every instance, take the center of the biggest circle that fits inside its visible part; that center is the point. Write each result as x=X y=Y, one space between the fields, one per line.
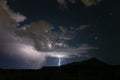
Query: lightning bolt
x=59 y=61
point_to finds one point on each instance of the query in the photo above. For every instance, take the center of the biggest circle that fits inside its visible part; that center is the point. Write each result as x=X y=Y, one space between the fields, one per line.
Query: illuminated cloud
x=17 y=47
x=53 y=44
x=71 y=51
x=4 y=18
x=89 y=3
x=15 y=16
x=40 y=27
x=63 y=3
x=66 y=34
x=33 y=42
x=83 y=27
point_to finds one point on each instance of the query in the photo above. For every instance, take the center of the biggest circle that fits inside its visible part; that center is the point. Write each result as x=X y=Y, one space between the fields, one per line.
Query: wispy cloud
x=63 y=3
x=15 y=16
x=66 y=33
x=83 y=27
x=89 y=3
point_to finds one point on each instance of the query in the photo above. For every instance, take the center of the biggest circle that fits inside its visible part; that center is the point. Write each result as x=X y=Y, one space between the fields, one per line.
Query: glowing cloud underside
x=48 y=43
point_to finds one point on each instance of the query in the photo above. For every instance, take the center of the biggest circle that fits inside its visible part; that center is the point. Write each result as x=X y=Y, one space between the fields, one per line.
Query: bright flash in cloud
x=59 y=56
x=50 y=43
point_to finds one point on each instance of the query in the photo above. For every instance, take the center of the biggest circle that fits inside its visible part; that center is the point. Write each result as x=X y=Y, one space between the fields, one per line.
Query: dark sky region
x=36 y=33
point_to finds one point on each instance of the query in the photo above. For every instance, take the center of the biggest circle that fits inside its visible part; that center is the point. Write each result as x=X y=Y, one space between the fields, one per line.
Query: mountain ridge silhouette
x=92 y=69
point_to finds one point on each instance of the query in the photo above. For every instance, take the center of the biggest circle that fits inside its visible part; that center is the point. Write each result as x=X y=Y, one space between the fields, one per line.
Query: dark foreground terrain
x=92 y=69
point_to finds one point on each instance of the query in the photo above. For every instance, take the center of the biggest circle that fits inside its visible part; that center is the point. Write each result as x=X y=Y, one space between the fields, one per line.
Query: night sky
x=36 y=33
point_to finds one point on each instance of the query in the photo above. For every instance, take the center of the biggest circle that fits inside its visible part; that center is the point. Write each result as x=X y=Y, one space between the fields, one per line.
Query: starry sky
x=37 y=33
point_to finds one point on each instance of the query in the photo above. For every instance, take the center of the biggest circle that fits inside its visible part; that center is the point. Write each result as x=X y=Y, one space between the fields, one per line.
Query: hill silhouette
x=92 y=69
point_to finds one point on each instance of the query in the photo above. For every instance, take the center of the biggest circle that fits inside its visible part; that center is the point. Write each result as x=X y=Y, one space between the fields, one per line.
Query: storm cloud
x=30 y=44
x=17 y=49
x=52 y=43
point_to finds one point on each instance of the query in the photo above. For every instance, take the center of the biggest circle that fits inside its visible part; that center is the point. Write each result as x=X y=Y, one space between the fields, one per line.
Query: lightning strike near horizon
x=59 y=61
